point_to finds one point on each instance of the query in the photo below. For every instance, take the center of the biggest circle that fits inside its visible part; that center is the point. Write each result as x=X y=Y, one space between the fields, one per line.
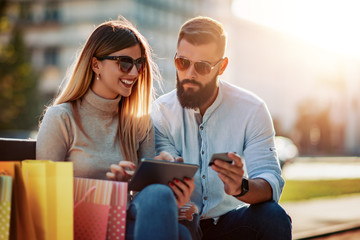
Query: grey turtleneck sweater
x=60 y=139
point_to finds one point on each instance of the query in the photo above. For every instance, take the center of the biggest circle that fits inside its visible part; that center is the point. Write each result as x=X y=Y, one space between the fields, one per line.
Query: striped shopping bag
x=100 y=209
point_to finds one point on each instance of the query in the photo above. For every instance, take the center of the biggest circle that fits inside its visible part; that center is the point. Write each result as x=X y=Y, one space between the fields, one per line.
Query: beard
x=195 y=99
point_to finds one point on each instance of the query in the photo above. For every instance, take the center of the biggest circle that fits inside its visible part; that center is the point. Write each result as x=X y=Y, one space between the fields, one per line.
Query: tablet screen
x=152 y=171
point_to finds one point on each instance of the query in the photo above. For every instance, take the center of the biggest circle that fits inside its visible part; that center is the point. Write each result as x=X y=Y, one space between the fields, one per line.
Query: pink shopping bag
x=100 y=209
x=117 y=212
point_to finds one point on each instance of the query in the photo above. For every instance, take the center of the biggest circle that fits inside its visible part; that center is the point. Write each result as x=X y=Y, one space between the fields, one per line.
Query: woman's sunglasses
x=126 y=63
x=203 y=68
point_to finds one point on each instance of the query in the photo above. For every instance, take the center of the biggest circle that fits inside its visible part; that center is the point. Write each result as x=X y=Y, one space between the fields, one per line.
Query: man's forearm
x=259 y=191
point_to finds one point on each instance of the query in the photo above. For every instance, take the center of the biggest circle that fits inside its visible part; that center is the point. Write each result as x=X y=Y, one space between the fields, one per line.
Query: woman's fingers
x=182 y=190
x=122 y=171
x=115 y=168
x=110 y=176
x=128 y=167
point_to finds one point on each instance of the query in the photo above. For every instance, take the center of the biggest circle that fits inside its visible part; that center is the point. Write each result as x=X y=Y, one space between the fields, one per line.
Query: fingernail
x=171 y=184
x=186 y=178
x=176 y=180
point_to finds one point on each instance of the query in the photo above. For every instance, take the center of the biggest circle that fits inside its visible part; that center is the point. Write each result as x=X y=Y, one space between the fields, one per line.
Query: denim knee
x=272 y=217
x=156 y=195
x=270 y=209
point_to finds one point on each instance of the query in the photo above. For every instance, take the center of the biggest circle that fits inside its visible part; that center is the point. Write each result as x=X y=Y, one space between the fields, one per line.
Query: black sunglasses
x=126 y=63
x=203 y=68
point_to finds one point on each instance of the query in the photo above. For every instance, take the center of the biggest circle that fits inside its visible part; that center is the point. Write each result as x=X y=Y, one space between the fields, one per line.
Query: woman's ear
x=95 y=65
x=223 y=65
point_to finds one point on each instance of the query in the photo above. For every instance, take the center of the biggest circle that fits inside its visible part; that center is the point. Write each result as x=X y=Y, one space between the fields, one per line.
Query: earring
x=97 y=77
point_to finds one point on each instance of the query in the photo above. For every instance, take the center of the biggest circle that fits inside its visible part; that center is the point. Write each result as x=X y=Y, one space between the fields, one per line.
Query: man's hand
x=121 y=172
x=168 y=157
x=230 y=174
x=182 y=190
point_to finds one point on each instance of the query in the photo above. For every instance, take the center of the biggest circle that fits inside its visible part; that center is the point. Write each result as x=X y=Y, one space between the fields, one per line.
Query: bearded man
x=205 y=115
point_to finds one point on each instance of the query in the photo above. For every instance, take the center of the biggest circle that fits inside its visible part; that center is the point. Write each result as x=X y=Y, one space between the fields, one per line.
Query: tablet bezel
x=152 y=171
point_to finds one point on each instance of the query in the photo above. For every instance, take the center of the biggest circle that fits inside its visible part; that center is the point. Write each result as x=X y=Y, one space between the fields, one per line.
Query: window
x=52 y=12
x=51 y=56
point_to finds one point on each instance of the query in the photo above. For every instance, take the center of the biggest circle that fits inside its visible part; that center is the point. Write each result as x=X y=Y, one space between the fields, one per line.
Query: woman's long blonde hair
x=134 y=111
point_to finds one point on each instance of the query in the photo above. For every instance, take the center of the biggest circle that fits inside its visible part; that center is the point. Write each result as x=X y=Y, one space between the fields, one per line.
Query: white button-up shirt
x=238 y=121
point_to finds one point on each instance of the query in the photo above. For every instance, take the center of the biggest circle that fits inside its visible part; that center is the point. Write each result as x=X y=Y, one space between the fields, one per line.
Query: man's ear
x=224 y=64
x=95 y=65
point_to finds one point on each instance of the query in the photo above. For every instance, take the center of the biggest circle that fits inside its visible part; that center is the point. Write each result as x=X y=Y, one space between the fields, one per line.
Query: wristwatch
x=244 y=188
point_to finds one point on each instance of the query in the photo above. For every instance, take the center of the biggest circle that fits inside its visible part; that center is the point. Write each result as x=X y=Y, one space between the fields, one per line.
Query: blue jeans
x=153 y=214
x=266 y=220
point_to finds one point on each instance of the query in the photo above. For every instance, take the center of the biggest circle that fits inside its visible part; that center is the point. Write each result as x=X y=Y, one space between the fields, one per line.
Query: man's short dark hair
x=204 y=30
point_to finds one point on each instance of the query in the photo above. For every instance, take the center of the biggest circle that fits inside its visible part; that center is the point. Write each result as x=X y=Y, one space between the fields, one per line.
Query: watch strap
x=244 y=188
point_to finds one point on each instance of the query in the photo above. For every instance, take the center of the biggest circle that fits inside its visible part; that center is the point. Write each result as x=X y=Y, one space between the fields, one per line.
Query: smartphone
x=220 y=156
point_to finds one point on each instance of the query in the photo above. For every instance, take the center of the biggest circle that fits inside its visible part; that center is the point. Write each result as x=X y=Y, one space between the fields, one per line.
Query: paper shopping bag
x=100 y=209
x=6 y=183
x=49 y=187
x=21 y=226
x=91 y=209
x=117 y=213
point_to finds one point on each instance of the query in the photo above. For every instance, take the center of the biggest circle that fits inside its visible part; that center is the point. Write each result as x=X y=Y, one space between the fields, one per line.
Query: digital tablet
x=152 y=171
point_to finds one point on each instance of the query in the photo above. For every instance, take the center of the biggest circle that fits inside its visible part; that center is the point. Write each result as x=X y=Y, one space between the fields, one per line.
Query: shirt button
x=205 y=198
x=202 y=152
x=203 y=176
x=201 y=127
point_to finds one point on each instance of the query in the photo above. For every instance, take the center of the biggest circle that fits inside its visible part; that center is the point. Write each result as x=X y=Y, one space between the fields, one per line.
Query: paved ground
x=320 y=216
x=348 y=235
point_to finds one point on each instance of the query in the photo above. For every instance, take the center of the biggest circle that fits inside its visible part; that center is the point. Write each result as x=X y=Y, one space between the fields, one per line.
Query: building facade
x=55 y=31
x=284 y=72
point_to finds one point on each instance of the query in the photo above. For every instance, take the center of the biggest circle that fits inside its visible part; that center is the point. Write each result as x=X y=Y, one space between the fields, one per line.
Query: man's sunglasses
x=203 y=68
x=126 y=63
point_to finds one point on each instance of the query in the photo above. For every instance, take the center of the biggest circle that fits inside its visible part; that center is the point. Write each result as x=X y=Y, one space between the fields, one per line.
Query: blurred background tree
x=19 y=99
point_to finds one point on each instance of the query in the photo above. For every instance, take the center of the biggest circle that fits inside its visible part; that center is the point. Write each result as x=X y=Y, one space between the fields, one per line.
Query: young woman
x=101 y=122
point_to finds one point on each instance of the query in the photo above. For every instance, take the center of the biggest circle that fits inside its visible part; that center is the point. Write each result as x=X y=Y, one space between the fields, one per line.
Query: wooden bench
x=12 y=149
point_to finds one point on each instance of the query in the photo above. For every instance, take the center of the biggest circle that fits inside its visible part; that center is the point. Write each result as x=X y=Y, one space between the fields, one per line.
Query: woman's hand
x=121 y=172
x=182 y=190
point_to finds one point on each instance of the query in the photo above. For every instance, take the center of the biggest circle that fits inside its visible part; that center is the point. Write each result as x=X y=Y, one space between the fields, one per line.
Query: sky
x=331 y=24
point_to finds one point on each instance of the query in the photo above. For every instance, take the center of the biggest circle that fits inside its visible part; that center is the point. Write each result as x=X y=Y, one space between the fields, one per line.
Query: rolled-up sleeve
x=260 y=153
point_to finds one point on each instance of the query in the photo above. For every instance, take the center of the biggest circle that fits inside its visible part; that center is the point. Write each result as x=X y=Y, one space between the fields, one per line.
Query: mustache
x=190 y=81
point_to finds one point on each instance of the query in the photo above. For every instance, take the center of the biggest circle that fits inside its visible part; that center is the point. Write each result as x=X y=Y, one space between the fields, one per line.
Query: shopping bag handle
x=85 y=196
x=4 y=172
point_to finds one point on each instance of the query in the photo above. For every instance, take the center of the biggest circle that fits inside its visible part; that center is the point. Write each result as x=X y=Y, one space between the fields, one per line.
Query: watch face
x=245 y=185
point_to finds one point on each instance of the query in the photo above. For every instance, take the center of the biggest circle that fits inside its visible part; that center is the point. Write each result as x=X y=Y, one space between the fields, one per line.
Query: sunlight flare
x=332 y=24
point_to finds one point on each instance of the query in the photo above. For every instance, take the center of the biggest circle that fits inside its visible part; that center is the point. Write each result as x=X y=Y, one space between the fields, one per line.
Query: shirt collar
x=215 y=104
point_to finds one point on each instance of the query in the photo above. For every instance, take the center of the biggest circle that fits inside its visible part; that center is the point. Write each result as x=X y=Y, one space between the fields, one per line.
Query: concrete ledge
x=313 y=218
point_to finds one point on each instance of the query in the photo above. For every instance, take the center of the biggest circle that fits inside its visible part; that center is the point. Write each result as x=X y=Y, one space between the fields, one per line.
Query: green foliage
x=18 y=87
x=303 y=190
